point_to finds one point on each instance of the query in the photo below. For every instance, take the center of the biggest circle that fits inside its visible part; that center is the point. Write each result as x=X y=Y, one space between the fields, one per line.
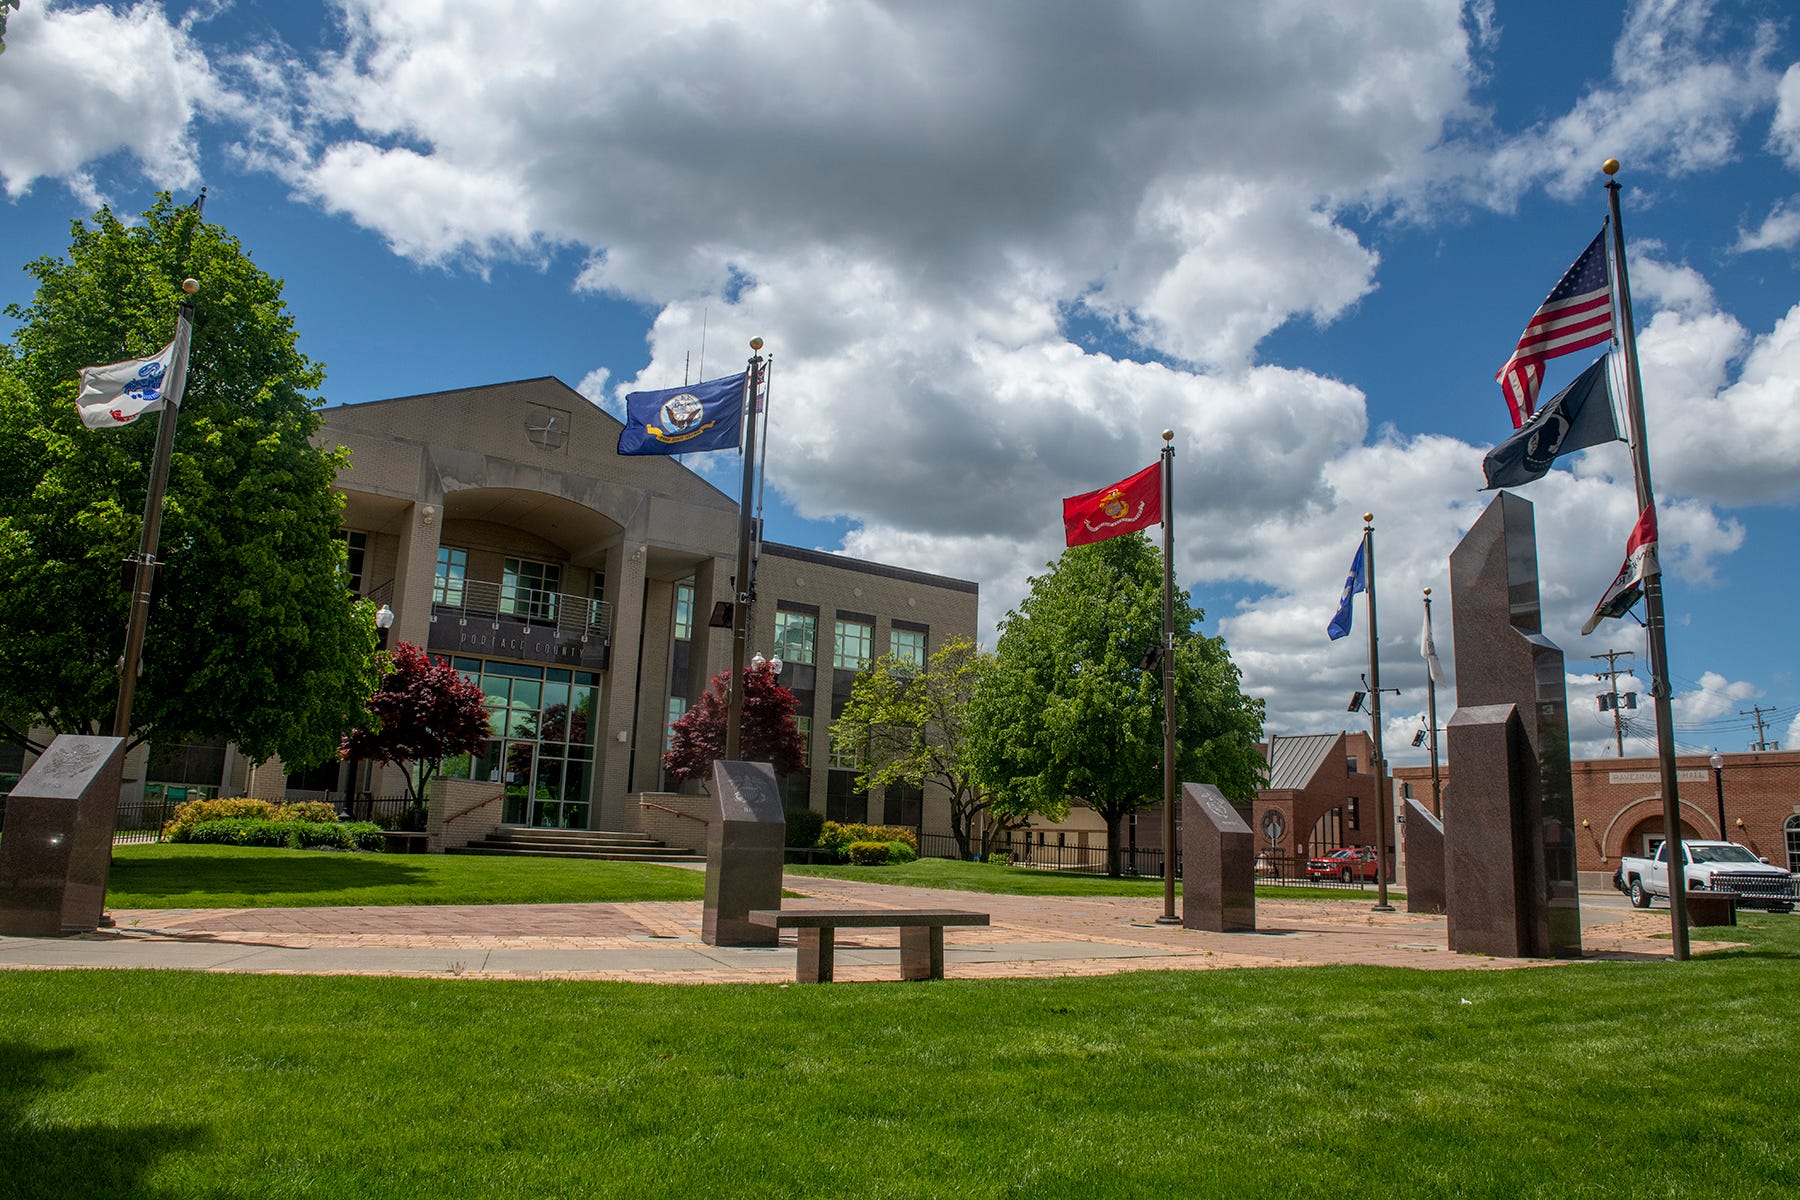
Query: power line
x=1756 y=711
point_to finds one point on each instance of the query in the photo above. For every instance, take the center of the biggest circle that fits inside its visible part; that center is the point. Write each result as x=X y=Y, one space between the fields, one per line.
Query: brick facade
x=1619 y=809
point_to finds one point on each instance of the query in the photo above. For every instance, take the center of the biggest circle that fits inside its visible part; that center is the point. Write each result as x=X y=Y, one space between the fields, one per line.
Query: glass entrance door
x=541 y=744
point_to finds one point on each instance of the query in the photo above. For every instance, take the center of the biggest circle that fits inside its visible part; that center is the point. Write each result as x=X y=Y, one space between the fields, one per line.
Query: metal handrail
x=565 y=612
x=674 y=811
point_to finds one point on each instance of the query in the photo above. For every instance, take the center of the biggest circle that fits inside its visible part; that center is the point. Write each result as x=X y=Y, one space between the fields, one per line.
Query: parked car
x=1348 y=864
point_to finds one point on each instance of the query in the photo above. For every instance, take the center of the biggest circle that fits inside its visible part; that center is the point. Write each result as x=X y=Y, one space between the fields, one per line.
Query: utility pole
x=1757 y=712
x=1611 y=699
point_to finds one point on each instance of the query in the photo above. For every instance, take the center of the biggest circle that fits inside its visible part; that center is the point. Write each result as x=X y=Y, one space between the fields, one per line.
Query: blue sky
x=995 y=249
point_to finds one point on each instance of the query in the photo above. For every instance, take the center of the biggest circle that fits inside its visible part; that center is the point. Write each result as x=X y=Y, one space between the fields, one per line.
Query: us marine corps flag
x=1127 y=506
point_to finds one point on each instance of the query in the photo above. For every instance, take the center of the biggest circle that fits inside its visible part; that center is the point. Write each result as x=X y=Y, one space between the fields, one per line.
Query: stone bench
x=400 y=841
x=921 y=935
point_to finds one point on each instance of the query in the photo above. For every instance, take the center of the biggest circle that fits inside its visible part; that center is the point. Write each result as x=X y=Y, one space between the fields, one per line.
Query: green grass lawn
x=1596 y=1079
x=186 y=876
x=997 y=878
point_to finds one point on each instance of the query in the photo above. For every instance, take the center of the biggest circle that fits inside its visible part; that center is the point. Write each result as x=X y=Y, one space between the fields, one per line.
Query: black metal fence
x=1023 y=851
x=1273 y=867
x=389 y=812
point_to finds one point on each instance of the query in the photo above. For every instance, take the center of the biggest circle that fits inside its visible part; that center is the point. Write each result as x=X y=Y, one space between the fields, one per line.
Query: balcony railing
x=567 y=614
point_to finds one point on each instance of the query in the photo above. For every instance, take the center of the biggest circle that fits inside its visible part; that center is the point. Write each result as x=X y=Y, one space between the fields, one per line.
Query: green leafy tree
x=1071 y=711
x=253 y=636
x=908 y=725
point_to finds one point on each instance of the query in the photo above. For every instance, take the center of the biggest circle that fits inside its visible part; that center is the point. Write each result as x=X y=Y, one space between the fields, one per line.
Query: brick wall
x=1618 y=804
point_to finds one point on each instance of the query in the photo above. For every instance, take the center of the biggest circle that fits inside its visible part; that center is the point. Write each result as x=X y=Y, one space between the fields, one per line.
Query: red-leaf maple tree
x=769 y=734
x=425 y=711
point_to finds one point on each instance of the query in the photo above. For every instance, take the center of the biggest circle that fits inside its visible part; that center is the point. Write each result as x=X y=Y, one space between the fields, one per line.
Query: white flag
x=1428 y=651
x=118 y=393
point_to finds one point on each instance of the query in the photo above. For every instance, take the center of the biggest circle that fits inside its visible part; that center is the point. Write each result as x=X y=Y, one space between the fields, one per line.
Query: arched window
x=1792 y=829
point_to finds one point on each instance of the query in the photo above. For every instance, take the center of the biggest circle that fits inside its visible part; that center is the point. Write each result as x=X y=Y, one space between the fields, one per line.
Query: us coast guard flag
x=1354 y=582
x=707 y=416
x=118 y=393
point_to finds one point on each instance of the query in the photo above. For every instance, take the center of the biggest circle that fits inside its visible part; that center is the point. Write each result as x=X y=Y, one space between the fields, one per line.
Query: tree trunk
x=1112 y=844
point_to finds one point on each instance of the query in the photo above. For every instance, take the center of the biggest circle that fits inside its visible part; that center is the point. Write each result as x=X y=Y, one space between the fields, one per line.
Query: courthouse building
x=504 y=530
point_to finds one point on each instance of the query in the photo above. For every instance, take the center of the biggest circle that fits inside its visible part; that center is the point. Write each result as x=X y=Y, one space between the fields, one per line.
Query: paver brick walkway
x=660 y=941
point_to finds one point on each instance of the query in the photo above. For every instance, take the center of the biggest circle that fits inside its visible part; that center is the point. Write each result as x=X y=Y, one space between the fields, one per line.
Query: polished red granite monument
x=57 y=846
x=1503 y=659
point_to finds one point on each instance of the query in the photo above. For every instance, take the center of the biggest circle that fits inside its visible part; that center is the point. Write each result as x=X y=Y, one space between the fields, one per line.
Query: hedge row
x=235 y=808
x=292 y=834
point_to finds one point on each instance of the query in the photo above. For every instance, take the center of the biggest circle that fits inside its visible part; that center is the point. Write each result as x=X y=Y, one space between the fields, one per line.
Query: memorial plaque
x=1218 y=863
x=1424 y=860
x=57 y=846
x=744 y=852
x=1503 y=658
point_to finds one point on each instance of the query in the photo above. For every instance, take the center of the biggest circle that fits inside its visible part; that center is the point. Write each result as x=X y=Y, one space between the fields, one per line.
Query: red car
x=1349 y=864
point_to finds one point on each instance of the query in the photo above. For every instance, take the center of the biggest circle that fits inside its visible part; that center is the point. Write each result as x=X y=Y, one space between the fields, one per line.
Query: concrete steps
x=576 y=843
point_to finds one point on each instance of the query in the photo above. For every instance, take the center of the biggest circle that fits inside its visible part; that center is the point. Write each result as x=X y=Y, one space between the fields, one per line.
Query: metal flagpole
x=1381 y=818
x=1653 y=600
x=740 y=608
x=1168 y=678
x=1437 y=787
x=144 y=571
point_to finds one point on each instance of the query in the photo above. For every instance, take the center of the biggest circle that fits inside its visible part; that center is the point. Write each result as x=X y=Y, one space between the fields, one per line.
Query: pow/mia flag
x=1578 y=417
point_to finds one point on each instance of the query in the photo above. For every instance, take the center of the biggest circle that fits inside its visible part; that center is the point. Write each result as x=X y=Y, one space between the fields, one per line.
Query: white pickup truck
x=1711 y=866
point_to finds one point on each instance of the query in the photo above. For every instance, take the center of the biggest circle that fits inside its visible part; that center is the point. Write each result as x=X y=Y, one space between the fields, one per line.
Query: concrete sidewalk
x=660 y=942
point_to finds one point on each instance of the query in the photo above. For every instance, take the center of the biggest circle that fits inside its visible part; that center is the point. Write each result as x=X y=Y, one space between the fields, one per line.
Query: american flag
x=1576 y=314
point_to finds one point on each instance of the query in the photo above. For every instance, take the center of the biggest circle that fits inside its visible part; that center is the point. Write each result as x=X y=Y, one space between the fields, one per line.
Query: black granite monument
x=744 y=851
x=1218 y=863
x=1502 y=659
x=57 y=846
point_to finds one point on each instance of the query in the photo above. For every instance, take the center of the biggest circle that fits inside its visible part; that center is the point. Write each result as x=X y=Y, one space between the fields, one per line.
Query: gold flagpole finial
x=756 y=344
x=1610 y=166
x=1168 y=435
x=190 y=286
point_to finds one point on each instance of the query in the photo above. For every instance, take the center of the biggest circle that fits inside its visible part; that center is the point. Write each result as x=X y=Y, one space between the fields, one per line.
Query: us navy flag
x=1579 y=416
x=707 y=416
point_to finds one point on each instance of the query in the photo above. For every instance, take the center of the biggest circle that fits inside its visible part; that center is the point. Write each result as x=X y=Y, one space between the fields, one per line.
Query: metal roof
x=1293 y=761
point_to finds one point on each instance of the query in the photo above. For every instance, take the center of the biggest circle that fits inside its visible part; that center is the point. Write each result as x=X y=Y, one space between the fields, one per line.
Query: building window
x=528 y=589
x=852 y=645
x=684 y=612
x=803 y=725
x=356 y=550
x=843 y=755
x=1354 y=812
x=676 y=710
x=1350 y=763
x=907 y=646
x=452 y=569
x=1792 y=829
x=795 y=635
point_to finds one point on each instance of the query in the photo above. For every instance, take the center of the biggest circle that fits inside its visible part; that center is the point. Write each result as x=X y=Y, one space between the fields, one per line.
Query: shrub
x=364 y=835
x=193 y=812
x=834 y=836
x=901 y=853
x=293 y=835
x=804 y=826
x=307 y=810
x=871 y=854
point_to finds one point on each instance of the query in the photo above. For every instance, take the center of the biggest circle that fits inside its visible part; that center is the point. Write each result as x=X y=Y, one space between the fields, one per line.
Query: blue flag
x=1354 y=582
x=707 y=416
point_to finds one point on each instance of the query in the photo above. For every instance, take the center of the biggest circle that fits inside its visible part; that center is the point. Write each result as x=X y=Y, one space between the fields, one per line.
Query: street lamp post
x=1718 y=766
x=384 y=621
